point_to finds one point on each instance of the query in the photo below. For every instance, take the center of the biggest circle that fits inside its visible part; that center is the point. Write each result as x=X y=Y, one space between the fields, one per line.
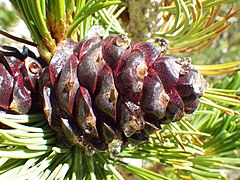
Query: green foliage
x=225 y=48
x=8 y=18
x=199 y=147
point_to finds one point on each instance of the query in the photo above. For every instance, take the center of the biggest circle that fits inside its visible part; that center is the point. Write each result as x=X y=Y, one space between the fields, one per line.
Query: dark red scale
x=154 y=98
x=21 y=98
x=105 y=98
x=175 y=108
x=189 y=86
x=63 y=52
x=130 y=117
x=149 y=51
x=167 y=70
x=130 y=75
x=113 y=49
x=6 y=87
x=67 y=85
x=89 y=68
x=84 y=115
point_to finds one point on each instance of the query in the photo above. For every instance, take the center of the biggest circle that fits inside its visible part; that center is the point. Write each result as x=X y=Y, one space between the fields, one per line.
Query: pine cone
x=104 y=94
x=18 y=80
